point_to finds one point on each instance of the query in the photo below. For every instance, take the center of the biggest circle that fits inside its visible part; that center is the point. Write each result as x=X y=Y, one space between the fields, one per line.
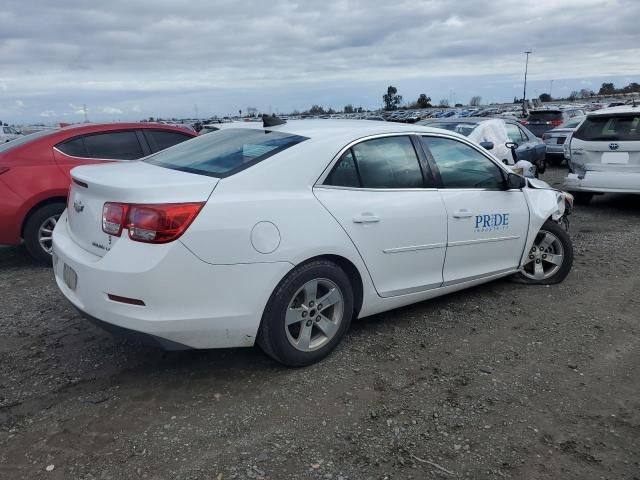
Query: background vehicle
x=541 y=121
x=288 y=232
x=604 y=153
x=8 y=133
x=504 y=134
x=554 y=139
x=34 y=172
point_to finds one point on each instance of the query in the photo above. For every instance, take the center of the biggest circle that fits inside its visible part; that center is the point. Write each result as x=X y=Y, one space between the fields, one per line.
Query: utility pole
x=551 y=90
x=524 y=93
x=84 y=111
x=195 y=107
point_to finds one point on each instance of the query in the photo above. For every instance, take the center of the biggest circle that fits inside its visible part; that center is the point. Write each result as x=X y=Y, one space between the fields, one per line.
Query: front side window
x=461 y=166
x=514 y=133
x=389 y=162
x=226 y=152
x=164 y=139
x=114 y=146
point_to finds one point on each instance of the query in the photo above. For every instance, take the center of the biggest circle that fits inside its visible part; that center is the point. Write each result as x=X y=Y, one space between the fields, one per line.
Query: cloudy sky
x=129 y=59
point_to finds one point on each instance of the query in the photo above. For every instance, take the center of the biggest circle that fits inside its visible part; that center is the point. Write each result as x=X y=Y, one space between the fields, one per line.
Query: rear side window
x=461 y=166
x=114 y=146
x=74 y=148
x=514 y=133
x=226 y=152
x=388 y=163
x=610 y=127
x=345 y=173
x=545 y=116
x=164 y=139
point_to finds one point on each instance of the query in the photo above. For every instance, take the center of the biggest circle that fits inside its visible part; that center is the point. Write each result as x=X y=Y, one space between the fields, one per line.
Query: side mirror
x=516 y=181
x=511 y=145
x=487 y=145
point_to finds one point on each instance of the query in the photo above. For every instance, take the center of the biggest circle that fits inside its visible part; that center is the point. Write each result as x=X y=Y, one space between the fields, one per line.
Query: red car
x=34 y=172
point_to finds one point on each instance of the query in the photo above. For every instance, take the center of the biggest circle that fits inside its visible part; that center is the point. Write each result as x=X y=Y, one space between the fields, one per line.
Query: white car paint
x=609 y=165
x=209 y=288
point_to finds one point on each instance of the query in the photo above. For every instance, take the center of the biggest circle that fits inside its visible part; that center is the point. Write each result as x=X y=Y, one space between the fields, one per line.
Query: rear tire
x=296 y=328
x=38 y=231
x=550 y=259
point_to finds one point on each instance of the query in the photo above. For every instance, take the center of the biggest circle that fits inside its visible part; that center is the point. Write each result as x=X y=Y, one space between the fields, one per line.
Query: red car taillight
x=556 y=123
x=524 y=122
x=154 y=223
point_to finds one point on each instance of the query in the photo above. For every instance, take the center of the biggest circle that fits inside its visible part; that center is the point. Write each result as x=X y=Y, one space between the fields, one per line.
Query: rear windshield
x=458 y=127
x=225 y=152
x=610 y=127
x=5 y=147
x=545 y=116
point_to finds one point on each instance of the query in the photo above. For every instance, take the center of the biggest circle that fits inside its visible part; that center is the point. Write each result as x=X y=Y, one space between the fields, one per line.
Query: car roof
x=613 y=110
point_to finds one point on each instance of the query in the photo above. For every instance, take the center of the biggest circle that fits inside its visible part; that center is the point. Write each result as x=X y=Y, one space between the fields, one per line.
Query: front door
x=487 y=223
x=395 y=218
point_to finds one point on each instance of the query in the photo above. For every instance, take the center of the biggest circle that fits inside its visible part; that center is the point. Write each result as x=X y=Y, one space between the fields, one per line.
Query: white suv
x=604 y=154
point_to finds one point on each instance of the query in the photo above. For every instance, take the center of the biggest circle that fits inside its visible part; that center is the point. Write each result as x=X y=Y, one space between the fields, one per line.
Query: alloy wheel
x=545 y=257
x=45 y=233
x=314 y=315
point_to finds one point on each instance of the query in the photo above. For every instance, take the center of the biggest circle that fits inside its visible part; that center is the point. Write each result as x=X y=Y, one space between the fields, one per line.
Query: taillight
x=114 y=217
x=556 y=123
x=154 y=223
x=3 y=169
x=524 y=122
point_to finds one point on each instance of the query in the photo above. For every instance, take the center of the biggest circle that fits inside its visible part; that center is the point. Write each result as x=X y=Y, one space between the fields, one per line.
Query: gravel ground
x=499 y=381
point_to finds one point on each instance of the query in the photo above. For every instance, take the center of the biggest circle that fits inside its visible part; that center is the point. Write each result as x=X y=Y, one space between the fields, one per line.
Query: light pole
x=524 y=93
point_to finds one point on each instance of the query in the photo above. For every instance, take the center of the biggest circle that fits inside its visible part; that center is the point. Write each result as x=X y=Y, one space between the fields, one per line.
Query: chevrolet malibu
x=281 y=235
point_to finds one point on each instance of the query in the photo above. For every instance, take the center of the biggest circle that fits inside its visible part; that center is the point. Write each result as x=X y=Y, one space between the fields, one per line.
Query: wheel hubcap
x=545 y=258
x=314 y=315
x=45 y=233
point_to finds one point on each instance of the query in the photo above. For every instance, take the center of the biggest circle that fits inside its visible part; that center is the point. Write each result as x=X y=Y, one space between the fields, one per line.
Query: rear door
x=487 y=223
x=385 y=200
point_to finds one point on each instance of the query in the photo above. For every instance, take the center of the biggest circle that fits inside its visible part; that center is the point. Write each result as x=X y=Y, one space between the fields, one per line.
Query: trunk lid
x=609 y=156
x=130 y=182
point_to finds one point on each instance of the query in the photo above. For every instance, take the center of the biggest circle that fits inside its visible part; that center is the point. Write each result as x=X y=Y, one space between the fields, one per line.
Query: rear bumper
x=603 y=182
x=557 y=149
x=187 y=303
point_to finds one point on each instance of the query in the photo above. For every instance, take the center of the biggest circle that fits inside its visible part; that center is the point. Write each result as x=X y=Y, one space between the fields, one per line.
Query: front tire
x=38 y=231
x=307 y=314
x=550 y=259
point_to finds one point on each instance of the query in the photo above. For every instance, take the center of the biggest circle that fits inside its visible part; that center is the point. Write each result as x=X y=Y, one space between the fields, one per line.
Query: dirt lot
x=501 y=381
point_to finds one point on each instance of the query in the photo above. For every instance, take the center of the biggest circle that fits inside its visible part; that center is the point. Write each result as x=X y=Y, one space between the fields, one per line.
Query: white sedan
x=282 y=235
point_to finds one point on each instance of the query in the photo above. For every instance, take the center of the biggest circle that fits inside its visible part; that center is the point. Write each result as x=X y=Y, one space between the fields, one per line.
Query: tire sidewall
x=273 y=336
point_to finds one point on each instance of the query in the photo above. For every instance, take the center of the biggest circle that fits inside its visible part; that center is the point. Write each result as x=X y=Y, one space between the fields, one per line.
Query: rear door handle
x=462 y=213
x=366 y=218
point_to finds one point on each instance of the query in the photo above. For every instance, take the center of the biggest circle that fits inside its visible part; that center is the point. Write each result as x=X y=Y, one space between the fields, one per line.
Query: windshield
x=545 y=116
x=463 y=128
x=610 y=127
x=573 y=123
x=5 y=147
x=226 y=152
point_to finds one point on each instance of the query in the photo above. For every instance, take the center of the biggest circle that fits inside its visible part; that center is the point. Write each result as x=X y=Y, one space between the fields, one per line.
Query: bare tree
x=475 y=101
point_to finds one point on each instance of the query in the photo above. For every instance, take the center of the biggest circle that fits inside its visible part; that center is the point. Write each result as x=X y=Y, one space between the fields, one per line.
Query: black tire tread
x=31 y=227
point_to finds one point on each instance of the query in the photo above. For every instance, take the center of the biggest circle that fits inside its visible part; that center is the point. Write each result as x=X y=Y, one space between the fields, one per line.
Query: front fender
x=544 y=204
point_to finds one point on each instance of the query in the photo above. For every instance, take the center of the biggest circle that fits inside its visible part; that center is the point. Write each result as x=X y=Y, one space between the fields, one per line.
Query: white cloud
x=19 y=103
x=112 y=111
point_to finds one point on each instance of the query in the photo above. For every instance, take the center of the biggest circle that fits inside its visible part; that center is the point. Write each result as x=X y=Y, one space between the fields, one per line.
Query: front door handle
x=462 y=213
x=366 y=218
